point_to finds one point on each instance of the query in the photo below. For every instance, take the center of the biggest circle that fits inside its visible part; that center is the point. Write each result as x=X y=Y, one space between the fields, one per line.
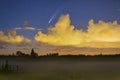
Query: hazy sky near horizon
x=76 y=23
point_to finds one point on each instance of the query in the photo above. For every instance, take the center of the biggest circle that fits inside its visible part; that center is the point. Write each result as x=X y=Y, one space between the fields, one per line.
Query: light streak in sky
x=54 y=15
x=51 y=18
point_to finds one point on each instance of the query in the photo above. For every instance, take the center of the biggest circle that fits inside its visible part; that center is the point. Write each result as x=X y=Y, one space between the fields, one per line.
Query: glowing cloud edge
x=98 y=35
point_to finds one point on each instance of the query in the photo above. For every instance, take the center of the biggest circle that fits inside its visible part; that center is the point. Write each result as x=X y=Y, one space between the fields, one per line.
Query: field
x=62 y=69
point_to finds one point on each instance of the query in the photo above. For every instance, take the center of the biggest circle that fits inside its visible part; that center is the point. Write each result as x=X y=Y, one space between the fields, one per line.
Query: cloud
x=27 y=27
x=26 y=40
x=62 y=34
x=11 y=37
x=39 y=29
x=103 y=31
x=18 y=28
x=101 y=34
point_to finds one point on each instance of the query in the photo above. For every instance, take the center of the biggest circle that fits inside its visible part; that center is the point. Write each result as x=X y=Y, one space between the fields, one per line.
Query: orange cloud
x=101 y=34
x=61 y=34
x=103 y=31
x=12 y=38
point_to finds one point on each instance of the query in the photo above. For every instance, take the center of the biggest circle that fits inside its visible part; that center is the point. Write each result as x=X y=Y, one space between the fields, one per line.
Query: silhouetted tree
x=20 y=53
x=13 y=54
x=33 y=54
x=53 y=54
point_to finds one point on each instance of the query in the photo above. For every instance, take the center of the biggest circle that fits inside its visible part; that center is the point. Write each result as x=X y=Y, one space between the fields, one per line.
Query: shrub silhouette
x=20 y=53
x=53 y=54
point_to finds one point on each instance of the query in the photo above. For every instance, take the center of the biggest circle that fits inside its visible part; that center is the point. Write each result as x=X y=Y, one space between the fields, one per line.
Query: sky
x=76 y=23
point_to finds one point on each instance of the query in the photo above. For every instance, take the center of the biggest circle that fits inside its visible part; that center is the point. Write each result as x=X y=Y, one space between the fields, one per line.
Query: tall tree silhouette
x=33 y=54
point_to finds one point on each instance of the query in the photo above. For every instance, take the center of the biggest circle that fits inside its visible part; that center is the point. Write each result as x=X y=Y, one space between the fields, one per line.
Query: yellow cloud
x=61 y=34
x=27 y=40
x=11 y=37
x=101 y=34
x=103 y=31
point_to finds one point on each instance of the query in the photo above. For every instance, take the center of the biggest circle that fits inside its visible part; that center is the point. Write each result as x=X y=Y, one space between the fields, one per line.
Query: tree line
x=32 y=54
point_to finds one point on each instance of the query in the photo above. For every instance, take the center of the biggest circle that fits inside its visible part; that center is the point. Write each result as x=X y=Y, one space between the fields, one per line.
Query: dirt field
x=63 y=70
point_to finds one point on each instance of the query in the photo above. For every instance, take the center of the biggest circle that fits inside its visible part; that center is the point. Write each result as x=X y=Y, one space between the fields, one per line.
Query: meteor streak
x=51 y=18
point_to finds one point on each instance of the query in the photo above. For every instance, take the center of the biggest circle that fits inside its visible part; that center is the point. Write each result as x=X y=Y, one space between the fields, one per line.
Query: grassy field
x=62 y=69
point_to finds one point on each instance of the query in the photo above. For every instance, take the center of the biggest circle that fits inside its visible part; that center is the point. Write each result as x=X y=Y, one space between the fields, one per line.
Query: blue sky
x=38 y=12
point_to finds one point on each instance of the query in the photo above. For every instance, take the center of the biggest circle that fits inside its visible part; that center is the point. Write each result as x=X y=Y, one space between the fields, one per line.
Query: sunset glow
x=63 y=33
x=60 y=26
